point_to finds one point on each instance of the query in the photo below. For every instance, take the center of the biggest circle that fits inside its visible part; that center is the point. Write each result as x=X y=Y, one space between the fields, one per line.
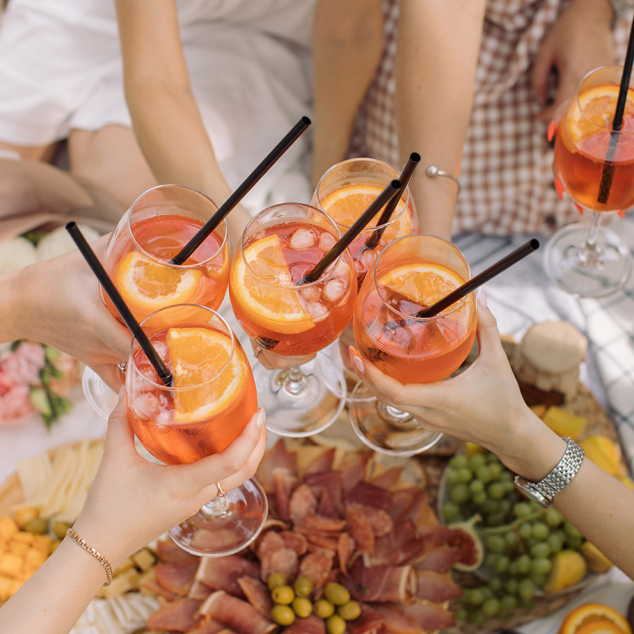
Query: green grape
x=465 y=474
x=495 y=584
x=521 y=509
x=479 y=498
x=512 y=570
x=477 y=460
x=505 y=505
x=540 y=550
x=474 y=596
x=459 y=493
x=490 y=607
x=495 y=519
x=540 y=530
x=495 y=490
x=477 y=618
x=460 y=614
x=538 y=580
x=484 y=474
x=452 y=476
x=492 y=458
x=541 y=566
x=508 y=603
x=490 y=559
x=528 y=604
x=529 y=543
x=553 y=517
x=510 y=538
x=574 y=543
x=476 y=486
x=502 y=564
x=526 y=589
x=554 y=543
x=571 y=531
x=495 y=469
x=459 y=461
x=525 y=531
x=511 y=586
x=507 y=476
x=495 y=543
x=488 y=593
x=523 y=564
x=561 y=536
x=510 y=487
x=450 y=512
x=490 y=506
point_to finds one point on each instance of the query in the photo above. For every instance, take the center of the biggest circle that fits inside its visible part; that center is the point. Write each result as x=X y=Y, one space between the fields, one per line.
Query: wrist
x=602 y=10
x=14 y=311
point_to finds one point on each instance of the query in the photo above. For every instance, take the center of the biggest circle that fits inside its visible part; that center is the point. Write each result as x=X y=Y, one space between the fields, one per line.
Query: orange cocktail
x=157 y=226
x=411 y=274
x=347 y=189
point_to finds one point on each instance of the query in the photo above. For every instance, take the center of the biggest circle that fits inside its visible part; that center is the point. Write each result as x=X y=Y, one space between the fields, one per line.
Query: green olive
x=283 y=595
x=302 y=607
x=335 y=625
x=323 y=609
x=349 y=611
x=276 y=579
x=282 y=615
x=303 y=586
x=37 y=526
x=60 y=528
x=336 y=593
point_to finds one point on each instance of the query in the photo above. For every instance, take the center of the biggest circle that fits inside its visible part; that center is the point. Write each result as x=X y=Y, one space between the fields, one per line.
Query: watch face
x=528 y=489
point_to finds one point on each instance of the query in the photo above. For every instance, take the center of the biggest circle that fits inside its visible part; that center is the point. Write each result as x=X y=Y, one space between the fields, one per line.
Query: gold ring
x=221 y=492
x=256 y=352
x=122 y=366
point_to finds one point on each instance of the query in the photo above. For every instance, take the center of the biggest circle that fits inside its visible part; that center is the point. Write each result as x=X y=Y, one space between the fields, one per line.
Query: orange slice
x=580 y=620
x=347 y=203
x=422 y=282
x=598 y=105
x=148 y=286
x=268 y=305
x=197 y=355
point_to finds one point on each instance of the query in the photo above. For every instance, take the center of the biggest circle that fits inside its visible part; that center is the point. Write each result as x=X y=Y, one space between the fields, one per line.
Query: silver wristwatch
x=545 y=490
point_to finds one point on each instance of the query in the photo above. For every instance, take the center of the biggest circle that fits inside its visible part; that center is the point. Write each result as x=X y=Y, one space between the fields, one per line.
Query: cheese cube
x=124 y=566
x=26 y=538
x=18 y=548
x=42 y=542
x=26 y=514
x=7 y=527
x=5 y=585
x=10 y=565
x=35 y=558
x=144 y=559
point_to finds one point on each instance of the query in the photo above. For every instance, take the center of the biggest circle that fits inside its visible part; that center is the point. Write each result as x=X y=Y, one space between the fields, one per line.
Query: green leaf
x=40 y=400
x=52 y=354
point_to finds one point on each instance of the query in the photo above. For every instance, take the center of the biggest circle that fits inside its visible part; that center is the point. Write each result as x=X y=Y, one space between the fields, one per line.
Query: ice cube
x=452 y=330
x=359 y=266
x=368 y=257
x=318 y=312
x=326 y=242
x=334 y=290
x=303 y=238
x=341 y=269
x=311 y=294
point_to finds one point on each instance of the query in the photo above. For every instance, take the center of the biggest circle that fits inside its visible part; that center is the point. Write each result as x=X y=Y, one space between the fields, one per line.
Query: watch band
x=566 y=469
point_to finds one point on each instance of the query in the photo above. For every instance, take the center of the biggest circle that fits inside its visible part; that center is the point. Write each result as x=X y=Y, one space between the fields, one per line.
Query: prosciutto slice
x=321 y=464
x=178 y=616
x=321 y=524
x=383 y=584
x=436 y=587
x=326 y=506
x=284 y=482
x=294 y=541
x=388 y=478
x=170 y=553
x=283 y=560
x=370 y=495
x=345 y=550
x=317 y=565
x=176 y=578
x=311 y=625
x=257 y=594
x=360 y=528
x=151 y=585
x=302 y=504
x=199 y=590
x=353 y=471
x=397 y=621
x=430 y=616
x=276 y=457
x=379 y=520
x=440 y=559
x=207 y=625
x=239 y=615
x=370 y=622
x=397 y=547
x=331 y=482
x=222 y=573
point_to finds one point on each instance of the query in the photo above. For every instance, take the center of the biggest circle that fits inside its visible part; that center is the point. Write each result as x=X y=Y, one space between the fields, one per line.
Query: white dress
x=60 y=69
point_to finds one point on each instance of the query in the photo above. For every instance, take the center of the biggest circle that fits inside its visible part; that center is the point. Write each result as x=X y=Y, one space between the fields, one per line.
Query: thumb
x=119 y=436
x=487 y=333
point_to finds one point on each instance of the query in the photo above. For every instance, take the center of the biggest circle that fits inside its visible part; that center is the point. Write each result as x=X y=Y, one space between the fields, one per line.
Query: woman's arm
x=347 y=45
x=130 y=503
x=436 y=57
x=165 y=117
x=484 y=405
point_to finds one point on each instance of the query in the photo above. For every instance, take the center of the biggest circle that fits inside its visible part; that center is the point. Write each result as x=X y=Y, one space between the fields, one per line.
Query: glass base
x=584 y=273
x=386 y=429
x=305 y=407
x=101 y=398
x=225 y=525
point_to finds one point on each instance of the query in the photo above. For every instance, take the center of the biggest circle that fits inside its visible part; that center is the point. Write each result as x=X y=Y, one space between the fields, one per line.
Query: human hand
x=579 y=41
x=132 y=501
x=61 y=306
x=272 y=361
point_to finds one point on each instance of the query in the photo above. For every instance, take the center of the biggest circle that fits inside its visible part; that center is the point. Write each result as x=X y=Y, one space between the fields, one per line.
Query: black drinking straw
x=298 y=129
x=406 y=175
x=119 y=304
x=383 y=198
x=607 y=175
x=478 y=280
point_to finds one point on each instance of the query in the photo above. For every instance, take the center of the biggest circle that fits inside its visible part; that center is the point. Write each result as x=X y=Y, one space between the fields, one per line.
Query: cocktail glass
x=211 y=401
x=410 y=274
x=279 y=246
x=592 y=262
x=160 y=222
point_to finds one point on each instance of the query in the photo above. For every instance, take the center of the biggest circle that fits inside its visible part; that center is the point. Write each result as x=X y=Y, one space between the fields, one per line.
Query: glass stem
x=295 y=381
x=216 y=507
x=593 y=234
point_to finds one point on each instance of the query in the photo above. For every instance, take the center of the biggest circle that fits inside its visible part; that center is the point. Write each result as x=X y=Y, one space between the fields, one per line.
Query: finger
x=119 y=436
x=487 y=333
x=231 y=460
x=117 y=337
x=544 y=61
x=272 y=361
x=111 y=375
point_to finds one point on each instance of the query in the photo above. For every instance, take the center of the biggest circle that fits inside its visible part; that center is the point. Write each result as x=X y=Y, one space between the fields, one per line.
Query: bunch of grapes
x=521 y=538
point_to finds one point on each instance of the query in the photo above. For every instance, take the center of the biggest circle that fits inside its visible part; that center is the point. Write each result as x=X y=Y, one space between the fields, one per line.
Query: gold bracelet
x=432 y=171
x=95 y=553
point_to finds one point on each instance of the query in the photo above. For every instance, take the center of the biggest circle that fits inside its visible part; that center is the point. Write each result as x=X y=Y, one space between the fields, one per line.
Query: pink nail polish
x=358 y=364
x=259 y=421
x=482 y=299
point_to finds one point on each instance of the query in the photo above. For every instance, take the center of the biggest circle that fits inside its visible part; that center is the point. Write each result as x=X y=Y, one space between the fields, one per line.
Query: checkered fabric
x=506 y=174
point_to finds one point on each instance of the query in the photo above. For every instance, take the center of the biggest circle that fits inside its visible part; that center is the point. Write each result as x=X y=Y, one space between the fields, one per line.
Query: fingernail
x=482 y=299
x=121 y=393
x=358 y=364
x=261 y=417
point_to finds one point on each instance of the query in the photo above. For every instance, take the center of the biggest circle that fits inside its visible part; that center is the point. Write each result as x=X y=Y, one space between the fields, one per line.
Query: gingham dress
x=506 y=173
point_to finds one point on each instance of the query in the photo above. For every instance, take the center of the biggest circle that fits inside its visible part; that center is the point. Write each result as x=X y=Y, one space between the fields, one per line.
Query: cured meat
x=311 y=625
x=283 y=560
x=436 y=587
x=360 y=529
x=326 y=506
x=318 y=523
x=440 y=559
x=222 y=573
x=151 y=585
x=397 y=622
x=370 y=622
x=176 y=578
x=388 y=478
x=331 y=481
x=322 y=540
x=317 y=565
x=294 y=541
x=257 y=594
x=302 y=504
x=399 y=546
x=379 y=520
x=382 y=583
x=430 y=616
x=322 y=463
x=345 y=550
x=402 y=501
x=419 y=512
x=207 y=625
x=199 y=590
x=270 y=542
x=353 y=471
x=239 y=615
x=170 y=553
x=178 y=616
x=370 y=495
x=276 y=457
x=284 y=483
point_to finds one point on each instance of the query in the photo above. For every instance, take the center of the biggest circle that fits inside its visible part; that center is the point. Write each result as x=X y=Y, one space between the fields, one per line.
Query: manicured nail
x=358 y=364
x=261 y=417
x=482 y=299
x=121 y=393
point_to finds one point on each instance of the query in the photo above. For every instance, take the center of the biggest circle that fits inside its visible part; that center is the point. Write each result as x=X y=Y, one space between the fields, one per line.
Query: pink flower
x=15 y=406
x=23 y=365
x=5 y=382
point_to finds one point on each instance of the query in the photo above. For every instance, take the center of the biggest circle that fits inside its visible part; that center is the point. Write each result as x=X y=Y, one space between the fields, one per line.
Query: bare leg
x=33 y=152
